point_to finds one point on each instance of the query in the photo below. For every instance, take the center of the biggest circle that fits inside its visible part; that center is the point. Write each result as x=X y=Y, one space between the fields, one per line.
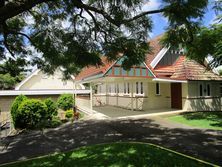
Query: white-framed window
x=126 y=88
x=139 y=88
x=204 y=89
x=157 y=88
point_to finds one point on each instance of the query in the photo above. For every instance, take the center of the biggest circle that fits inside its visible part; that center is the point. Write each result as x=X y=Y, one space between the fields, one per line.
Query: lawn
x=115 y=155
x=207 y=120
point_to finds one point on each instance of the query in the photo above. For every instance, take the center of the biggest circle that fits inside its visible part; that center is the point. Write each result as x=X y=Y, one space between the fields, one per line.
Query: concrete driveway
x=117 y=112
x=199 y=143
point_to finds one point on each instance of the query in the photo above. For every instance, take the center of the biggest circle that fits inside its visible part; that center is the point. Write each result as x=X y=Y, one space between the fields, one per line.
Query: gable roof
x=156 y=48
x=35 y=72
x=94 y=70
x=181 y=69
x=192 y=70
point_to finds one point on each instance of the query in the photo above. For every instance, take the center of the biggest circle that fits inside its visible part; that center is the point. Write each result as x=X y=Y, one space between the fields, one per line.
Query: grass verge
x=207 y=120
x=115 y=155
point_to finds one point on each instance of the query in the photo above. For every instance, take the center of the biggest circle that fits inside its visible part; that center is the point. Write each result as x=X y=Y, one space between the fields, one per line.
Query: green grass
x=208 y=120
x=114 y=155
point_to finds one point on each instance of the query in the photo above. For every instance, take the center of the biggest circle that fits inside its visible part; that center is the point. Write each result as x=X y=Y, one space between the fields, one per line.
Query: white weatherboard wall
x=39 y=80
x=194 y=102
x=147 y=100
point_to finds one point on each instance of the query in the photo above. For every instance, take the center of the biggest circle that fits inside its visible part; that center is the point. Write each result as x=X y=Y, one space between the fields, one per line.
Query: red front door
x=176 y=95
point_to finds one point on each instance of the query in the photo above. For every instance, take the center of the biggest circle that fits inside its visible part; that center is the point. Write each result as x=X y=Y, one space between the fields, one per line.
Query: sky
x=160 y=22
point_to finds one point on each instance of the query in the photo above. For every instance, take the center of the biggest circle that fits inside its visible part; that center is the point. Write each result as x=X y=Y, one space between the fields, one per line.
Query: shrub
x=14 y=108
x=55 y=122
x=51 y=108
x=69 y=114
x=65 y=102
x=31 y=113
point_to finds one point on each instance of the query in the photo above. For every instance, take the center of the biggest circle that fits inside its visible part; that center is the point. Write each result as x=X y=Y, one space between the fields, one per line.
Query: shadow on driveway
x=202 y=144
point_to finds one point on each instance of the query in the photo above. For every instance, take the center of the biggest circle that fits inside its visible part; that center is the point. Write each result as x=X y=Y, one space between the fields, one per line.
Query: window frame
x=206 y=89
x=157 y=88
x=139 y=89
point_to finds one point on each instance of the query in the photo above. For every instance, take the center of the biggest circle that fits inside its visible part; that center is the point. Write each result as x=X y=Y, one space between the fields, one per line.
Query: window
x=204 y=89
x=157 y=88
x=110 y=89
x=208 y=90
x=117 y=88
x=139 y=88
x=201 y=90
x=124 y=89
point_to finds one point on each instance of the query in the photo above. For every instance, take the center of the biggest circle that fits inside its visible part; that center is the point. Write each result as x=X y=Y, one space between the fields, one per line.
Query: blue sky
x=160 y=22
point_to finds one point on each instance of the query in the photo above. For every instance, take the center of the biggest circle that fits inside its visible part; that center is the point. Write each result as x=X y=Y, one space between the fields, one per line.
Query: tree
x=75 y=33
x=206 y=41
x=12 y=71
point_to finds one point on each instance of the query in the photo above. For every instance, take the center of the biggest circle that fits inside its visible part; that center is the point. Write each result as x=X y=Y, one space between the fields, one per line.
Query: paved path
x=203 y=144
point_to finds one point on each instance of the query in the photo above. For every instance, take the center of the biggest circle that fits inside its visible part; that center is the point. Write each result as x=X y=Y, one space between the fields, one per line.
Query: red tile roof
x=192 y=70
x=182 y=69
x=93 y=70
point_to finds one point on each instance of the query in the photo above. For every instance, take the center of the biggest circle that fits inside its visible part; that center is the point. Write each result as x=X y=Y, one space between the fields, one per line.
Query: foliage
x=52 y=109
x=14 y=108
x=12 y=72
x=115 y=154
x=55 y=122
x=202 y=42
x=69 y=114
x=74 y=34
x=220 y=71
x=65 y=102
x=31 y=113
x=7 y=81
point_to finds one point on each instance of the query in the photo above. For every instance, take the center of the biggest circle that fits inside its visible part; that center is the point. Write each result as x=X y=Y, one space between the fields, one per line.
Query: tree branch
x=12 y=9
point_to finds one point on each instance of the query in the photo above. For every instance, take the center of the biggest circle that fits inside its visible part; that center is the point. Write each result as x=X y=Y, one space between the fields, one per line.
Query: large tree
x=75 y=33
x=12 y=71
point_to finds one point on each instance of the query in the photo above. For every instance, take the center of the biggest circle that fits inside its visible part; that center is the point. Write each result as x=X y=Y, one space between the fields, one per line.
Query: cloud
x=150 y=5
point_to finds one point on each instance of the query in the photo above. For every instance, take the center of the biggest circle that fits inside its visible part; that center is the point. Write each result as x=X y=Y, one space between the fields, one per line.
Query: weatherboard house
x=167 y=79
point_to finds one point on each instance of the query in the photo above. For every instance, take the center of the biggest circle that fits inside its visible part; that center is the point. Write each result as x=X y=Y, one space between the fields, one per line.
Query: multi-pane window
x=124 y=89
x=139 y=88
x=128 y=88
x=204 y=89
x=157 y=88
